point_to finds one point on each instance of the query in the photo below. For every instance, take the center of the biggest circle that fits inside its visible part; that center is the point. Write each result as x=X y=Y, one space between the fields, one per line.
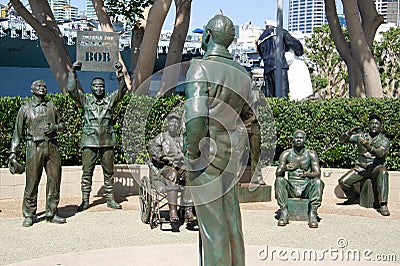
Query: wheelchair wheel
x=145 y=200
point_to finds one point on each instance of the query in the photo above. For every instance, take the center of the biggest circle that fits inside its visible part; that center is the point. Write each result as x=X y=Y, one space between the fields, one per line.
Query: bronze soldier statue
x=304 y=179
x=98 y=138
x=166 y=154
x=370 y=164
x=38 y=121
x=217 y=94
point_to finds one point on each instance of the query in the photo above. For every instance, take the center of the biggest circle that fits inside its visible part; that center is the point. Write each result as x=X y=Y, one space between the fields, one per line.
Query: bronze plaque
x=97 y=50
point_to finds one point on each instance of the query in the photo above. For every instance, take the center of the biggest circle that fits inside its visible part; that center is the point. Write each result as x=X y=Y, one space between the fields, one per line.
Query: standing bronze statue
x=98 y=138
x=304 y=179
x=166 y=154
x=38 y=121
x=254 y=132
x=370 y=164
x=217 y=93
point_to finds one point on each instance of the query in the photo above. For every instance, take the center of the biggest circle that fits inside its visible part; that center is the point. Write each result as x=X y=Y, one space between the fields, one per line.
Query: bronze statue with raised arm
x=38 y=121
x=372 y=149
x=98 y=138
x=304 y=179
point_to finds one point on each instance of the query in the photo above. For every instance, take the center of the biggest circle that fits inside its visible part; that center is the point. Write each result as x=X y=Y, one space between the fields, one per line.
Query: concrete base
x=298 y=209
x=254 y=193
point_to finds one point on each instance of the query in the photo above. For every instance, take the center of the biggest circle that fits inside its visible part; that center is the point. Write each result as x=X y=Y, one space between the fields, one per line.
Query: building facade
x=389 y=9
x=63 y=10
x=90 y=12
x=305 y=15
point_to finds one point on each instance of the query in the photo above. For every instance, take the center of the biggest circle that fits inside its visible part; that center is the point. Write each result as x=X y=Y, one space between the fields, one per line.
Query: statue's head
x=98 y=87
x=174 y=124
x=375 y=124
x=219 y=30
x=299 y=138
x=39 y=88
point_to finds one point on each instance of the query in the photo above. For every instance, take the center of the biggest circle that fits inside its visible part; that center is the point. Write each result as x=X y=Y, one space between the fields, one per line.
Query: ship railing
x=2 y=33
x=14 y=33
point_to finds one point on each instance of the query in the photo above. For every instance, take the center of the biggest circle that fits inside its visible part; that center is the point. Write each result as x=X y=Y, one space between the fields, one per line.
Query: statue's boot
x=109 y=189
x=111 y=203
x=172 y=197
x=284 y=219
x=85 y=202
x=384 y=210
x=312 y=218
x=189 y=216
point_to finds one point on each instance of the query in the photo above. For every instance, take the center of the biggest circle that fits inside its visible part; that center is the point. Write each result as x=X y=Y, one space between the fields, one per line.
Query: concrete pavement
x=118 y=237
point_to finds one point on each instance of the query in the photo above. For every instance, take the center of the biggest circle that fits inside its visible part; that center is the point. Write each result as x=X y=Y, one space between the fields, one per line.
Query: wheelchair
x=153 y=200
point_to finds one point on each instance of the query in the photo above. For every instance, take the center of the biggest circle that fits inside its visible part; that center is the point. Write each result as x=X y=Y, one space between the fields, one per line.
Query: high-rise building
x=63 y=10
x=90 y=12
x=305 y=15
x=389 y=9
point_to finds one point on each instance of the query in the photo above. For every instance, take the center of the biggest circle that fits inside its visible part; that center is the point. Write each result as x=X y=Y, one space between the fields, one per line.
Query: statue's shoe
x=384 y=210
x=28 y=221
x=56 y=219
x=113 y=204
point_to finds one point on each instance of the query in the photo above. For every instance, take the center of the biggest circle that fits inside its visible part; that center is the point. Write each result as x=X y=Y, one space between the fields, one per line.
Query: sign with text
x=97 y=50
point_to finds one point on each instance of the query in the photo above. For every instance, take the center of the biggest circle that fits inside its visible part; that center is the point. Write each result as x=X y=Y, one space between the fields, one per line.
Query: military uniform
x=41 y=151
x=98 y=137
x=369 y=164
x=173 y=173
x=266 y=47
x=217 y=93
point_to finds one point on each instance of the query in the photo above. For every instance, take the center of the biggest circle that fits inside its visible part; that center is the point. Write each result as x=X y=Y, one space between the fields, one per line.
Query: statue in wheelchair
x=166 y=182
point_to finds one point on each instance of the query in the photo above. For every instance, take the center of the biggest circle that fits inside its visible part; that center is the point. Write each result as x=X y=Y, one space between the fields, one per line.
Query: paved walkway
x=101 y=236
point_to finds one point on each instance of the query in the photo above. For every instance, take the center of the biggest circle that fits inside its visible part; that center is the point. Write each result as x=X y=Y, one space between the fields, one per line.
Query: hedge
x=322 y=120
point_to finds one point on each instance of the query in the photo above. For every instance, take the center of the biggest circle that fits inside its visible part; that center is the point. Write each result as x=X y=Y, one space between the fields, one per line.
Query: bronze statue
x=253 y=130
x=166 y=154
x=38 y=121
x=217 y=93
x=98 y=138
x=304 y=179
x=370 y=164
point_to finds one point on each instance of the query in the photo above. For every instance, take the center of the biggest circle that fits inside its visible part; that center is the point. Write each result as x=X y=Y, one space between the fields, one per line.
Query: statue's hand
x=11 y=162
x=76 y=66
x=365 y=143
x=168 y=160
x=49 y=128
x=354 y=129
x=120 y=74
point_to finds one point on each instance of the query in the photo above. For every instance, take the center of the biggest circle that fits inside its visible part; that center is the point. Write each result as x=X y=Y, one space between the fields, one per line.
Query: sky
x=239 y=11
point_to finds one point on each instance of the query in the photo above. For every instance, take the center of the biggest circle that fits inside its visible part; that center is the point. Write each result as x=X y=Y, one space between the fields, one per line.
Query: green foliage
x=328 y=71
x=138 y=119
x=387 y=54
x=132 y=10
x=329 y=74
x=325 y=120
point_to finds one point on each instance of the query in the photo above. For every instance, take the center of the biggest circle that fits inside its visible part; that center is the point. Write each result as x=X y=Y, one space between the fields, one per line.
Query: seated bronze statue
x=304 y=179
x=370 y=164
x=166 y=154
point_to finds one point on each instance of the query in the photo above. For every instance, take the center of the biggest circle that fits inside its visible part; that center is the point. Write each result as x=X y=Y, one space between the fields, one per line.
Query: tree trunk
x=148 y=48
x=53 y=46
x=362 y=23
x=105 y=24
x=361 y=51
x=177 y=42
x=137 y=38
